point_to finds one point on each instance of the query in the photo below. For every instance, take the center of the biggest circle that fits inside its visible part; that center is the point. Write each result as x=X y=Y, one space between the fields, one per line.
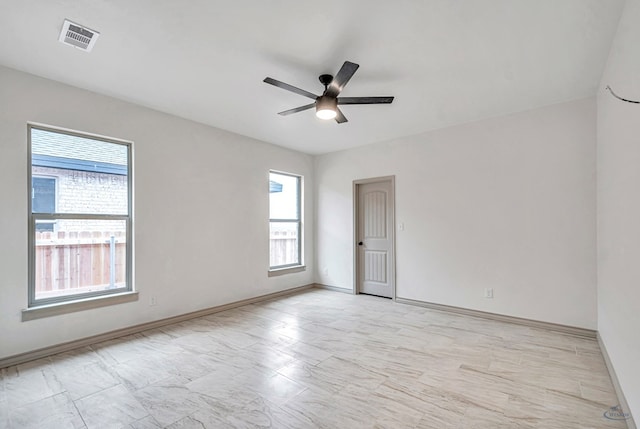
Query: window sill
x=288 y=270
x=80 y=305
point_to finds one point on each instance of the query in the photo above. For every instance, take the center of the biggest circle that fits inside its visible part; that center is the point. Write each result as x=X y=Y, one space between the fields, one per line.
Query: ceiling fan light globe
x=326 y=108
x=326 y=113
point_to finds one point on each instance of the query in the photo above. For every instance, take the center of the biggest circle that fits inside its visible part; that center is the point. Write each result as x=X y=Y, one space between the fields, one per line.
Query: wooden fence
x=283 y=247
x=76 y=262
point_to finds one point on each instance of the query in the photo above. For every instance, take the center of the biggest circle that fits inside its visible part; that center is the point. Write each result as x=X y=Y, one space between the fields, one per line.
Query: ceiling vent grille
x=78 y=36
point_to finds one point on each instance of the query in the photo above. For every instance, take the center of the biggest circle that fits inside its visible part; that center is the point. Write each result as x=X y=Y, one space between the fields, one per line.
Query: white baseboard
x=87 y=341
x=622 y=401
x=333 y=288
x=572 y=330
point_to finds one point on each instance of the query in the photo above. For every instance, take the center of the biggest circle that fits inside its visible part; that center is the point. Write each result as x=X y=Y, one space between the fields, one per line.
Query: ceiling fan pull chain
x=620 y=98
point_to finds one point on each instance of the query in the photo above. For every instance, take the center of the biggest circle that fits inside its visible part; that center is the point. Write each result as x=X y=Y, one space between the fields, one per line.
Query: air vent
x=76 y=35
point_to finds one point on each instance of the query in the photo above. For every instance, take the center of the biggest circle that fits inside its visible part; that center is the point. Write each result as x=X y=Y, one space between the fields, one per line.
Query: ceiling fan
x=327 y=104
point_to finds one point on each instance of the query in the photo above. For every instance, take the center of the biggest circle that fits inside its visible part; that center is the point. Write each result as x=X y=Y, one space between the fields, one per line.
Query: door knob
x=360 y=243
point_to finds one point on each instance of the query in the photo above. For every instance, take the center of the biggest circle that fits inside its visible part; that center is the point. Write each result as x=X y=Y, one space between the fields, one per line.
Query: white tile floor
x=318 y=359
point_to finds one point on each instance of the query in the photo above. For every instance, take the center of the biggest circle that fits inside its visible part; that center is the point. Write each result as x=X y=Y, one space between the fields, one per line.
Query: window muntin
x=79 y=234
x=285 y=220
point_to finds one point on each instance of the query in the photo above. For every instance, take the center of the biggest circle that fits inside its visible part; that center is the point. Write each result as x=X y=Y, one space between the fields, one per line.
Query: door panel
x=375 y=220
x=375 y=232
x=375 y=266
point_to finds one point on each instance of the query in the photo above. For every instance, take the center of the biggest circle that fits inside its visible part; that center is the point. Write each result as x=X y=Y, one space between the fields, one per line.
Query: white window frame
x=47 y=303
x=297 y=266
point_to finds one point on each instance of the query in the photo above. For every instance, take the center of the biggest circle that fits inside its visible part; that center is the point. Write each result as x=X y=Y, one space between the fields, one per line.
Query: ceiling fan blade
x=297 y=109
x=289 y=87
x=365 y=100
x=340 y=118
x=340 y=80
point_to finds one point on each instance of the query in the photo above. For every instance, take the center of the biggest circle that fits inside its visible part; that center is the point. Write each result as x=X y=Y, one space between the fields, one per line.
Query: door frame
x=356 y=212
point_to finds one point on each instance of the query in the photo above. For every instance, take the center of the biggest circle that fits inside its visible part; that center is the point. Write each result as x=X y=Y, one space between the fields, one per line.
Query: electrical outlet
x=325 y=271
x=401 y=226
x=153 y=301
x=488 y=292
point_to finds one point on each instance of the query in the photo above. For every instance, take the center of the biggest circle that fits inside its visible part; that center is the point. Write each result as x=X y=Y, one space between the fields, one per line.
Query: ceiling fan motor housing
x=325 y=79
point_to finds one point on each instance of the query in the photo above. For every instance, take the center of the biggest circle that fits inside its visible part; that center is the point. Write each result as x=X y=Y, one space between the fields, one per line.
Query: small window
x=79 y=216
x=285 y=220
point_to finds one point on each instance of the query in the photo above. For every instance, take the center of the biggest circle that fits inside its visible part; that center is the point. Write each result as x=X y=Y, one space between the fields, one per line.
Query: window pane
x=90 y=175
x=283 y=239
x=43 y=195
x=283 y=196
x=80 y=256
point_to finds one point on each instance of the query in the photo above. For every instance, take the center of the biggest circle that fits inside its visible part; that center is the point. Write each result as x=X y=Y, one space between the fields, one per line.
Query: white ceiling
x=446 y=62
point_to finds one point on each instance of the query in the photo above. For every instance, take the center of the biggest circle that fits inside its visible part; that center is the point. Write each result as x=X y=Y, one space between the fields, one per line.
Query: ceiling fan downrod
x=325 y=79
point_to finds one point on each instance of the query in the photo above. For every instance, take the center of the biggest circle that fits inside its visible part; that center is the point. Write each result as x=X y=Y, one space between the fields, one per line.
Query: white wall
x=201 y=210
x=507 y=203
x=619 y=207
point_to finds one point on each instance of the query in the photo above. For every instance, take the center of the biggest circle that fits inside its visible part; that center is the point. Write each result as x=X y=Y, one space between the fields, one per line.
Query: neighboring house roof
x=274 y=186
x=66 y=146
x=56 y=150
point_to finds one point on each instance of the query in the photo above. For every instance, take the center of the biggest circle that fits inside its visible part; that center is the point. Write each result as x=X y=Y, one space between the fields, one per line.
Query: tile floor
x=318 y=359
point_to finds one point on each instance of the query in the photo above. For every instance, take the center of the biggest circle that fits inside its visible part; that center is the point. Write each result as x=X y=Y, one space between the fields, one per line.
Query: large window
x=79 y=216
x=285 y=220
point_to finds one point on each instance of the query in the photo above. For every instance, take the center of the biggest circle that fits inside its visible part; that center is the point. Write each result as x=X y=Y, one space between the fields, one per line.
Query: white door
x=375 y=238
